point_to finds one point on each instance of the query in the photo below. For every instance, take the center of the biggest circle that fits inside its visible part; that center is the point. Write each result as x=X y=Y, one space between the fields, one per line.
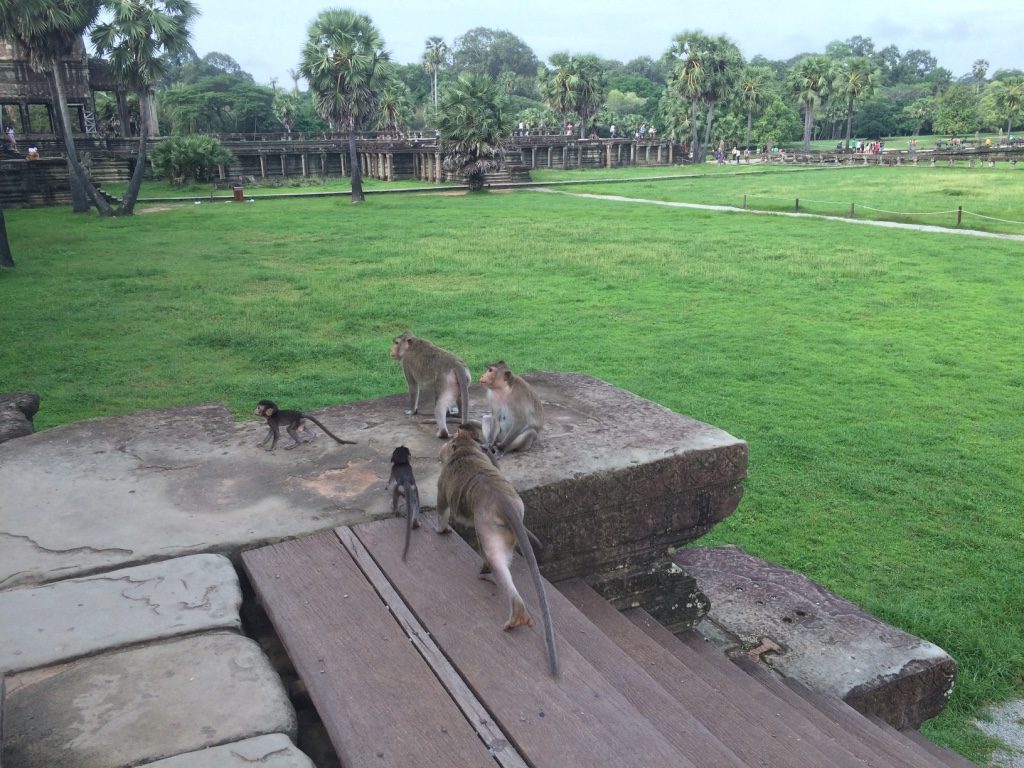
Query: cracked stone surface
x=167 y=483
x=271 y=751
x=79 y=617
x=144 y=704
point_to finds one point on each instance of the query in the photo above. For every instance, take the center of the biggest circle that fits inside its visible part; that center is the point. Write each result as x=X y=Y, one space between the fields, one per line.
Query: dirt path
x=732 y=209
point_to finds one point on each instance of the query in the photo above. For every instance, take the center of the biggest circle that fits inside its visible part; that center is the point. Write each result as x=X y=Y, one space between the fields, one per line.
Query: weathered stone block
x=128 y=707
x=16 y=412
x=272 y=751
x=811 y=635
x=79 y=617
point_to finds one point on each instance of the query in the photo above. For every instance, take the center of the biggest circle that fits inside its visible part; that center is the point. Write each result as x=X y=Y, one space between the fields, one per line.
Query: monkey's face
x=265 y=409
x=400 y=346
x=496 y=375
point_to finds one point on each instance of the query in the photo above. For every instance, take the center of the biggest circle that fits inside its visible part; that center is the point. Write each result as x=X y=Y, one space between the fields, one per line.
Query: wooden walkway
x=407 y=665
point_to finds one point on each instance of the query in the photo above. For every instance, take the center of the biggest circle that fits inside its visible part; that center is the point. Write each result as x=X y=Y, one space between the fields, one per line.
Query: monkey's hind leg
x=499 y=556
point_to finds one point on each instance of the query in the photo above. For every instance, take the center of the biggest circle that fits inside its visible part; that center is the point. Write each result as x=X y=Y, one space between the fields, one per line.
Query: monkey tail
x=462 y=374
x=328 y=432
x=523 y=537
x=412 y=511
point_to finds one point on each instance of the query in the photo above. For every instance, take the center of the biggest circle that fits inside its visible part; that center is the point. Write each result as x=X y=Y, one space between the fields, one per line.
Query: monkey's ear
x=270 y=411
x=508 y=375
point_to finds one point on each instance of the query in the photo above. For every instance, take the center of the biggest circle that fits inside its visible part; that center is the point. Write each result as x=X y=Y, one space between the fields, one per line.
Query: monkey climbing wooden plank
x=576 y=719
x=378 y=699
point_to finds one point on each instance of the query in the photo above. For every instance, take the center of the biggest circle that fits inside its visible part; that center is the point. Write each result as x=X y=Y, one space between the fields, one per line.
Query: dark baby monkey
x=472 y=490
x=426 y=365
x=405 y=485
x=517 y=414
x=292 y=421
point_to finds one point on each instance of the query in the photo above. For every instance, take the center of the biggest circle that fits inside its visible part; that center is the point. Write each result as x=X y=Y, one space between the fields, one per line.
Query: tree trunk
x=357 y=172
x=6 y=259
x=135 y=183
x=435 y=93
x=808 y=125
x=849 y=122
x=750 y=126
x=707 y=125
x=75 y=166
x=698 y=150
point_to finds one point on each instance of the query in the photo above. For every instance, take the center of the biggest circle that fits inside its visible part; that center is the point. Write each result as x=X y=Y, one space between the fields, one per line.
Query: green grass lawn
x=992 y=198
x=875 y=374
x=158 y=188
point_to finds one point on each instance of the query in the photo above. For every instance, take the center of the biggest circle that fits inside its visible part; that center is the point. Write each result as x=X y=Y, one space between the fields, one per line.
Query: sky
x=265 y=37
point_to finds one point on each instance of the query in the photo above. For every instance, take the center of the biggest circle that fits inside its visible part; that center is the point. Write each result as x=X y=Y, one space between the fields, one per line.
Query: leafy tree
x=286 y=109
x=193 y=158
x=537 y=119
x=49 y=30
x=755 y=88
x=705 y=71
x=857 y=79
x=978 y=70
x=920 y=114
x=473 y=124
x=394 y=109
x=347 y=69
x=417 y=80
x=779 y=123
x=434 y=57
x=880 y=117
x=558 y=87
x=1008 y=95
x=222 y=103
x=653 y=70
x=939 y=79
x=810 y=81
x=133 y=40
x=624 y=103
x=958 y=111
x=490 y=52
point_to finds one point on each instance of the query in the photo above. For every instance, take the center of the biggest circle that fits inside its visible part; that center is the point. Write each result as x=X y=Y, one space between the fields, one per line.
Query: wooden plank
x=576 y=719
x=758 y=735
x=946 y=756
x=474 y=711
x=819 y=711
x=378 y=699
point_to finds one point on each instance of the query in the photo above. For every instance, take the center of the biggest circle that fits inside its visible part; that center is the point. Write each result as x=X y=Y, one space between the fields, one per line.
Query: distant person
x=11 y=139
x=612 y=130
x=33 y=153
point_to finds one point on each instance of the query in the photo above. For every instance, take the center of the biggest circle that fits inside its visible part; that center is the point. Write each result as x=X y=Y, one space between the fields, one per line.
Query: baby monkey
x=292 y=421
x=405 y=485
x=517 y=414
x=472 y=490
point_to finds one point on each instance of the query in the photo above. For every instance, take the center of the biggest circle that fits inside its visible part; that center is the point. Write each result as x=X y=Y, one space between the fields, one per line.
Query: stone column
x=549 y=155
x=284 y=166
x=263 y=166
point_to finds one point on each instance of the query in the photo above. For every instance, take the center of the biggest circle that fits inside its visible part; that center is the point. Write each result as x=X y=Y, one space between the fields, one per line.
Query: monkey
x=517 y=414
x=472 y=490
x=405 y=485
x=292 y=420
x=428 y=366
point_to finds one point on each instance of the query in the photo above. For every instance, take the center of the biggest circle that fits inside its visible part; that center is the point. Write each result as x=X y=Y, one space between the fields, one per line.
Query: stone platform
x=101 y=521
x=818 y=639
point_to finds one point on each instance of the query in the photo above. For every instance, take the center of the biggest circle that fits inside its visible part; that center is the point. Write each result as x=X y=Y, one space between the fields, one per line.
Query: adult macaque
x=517 y=414
x=405 y=485
x=292 y=421
x=428 y=366
x=472 y=490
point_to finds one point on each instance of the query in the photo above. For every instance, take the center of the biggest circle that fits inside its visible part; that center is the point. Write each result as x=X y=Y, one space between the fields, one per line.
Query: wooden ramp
x=407 y=665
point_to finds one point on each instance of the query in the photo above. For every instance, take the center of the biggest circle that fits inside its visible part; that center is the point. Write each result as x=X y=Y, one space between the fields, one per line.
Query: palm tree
x=285 y=107
x=858 y=79
x=978 y=70
x=559 y=87
x=48 y=30
x=394 y=109
x=294 y=74
x=591 y=83
x=1009 y=97
x=705 y=72
x=347 y=68
x=753 y=87
x=135 y=40
x=474 y=123
x=810 y=81
x=435 y=55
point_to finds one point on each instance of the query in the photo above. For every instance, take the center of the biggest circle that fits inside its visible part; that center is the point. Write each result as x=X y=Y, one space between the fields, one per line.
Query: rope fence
x=849 y=209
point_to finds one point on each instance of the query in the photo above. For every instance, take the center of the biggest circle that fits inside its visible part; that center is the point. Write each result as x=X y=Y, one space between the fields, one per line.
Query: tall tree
x=1008 y=95
x=857 y=79
x=978 y=70
x=578 y=84
x=706 y=72
x=558 y=86
x=474 y=123
x=48 y=31
x=347 y=69
x=435 y=55
x=810 y=81
x=492 y=51
x=286 y=110
x=134 y=41
x=754 y=90
x=958 y=111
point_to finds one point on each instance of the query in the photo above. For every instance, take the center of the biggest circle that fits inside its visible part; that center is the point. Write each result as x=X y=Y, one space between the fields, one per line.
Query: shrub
x=189 y=158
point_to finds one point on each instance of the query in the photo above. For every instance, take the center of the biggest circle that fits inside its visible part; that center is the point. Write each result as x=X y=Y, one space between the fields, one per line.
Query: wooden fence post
x=959 y=214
